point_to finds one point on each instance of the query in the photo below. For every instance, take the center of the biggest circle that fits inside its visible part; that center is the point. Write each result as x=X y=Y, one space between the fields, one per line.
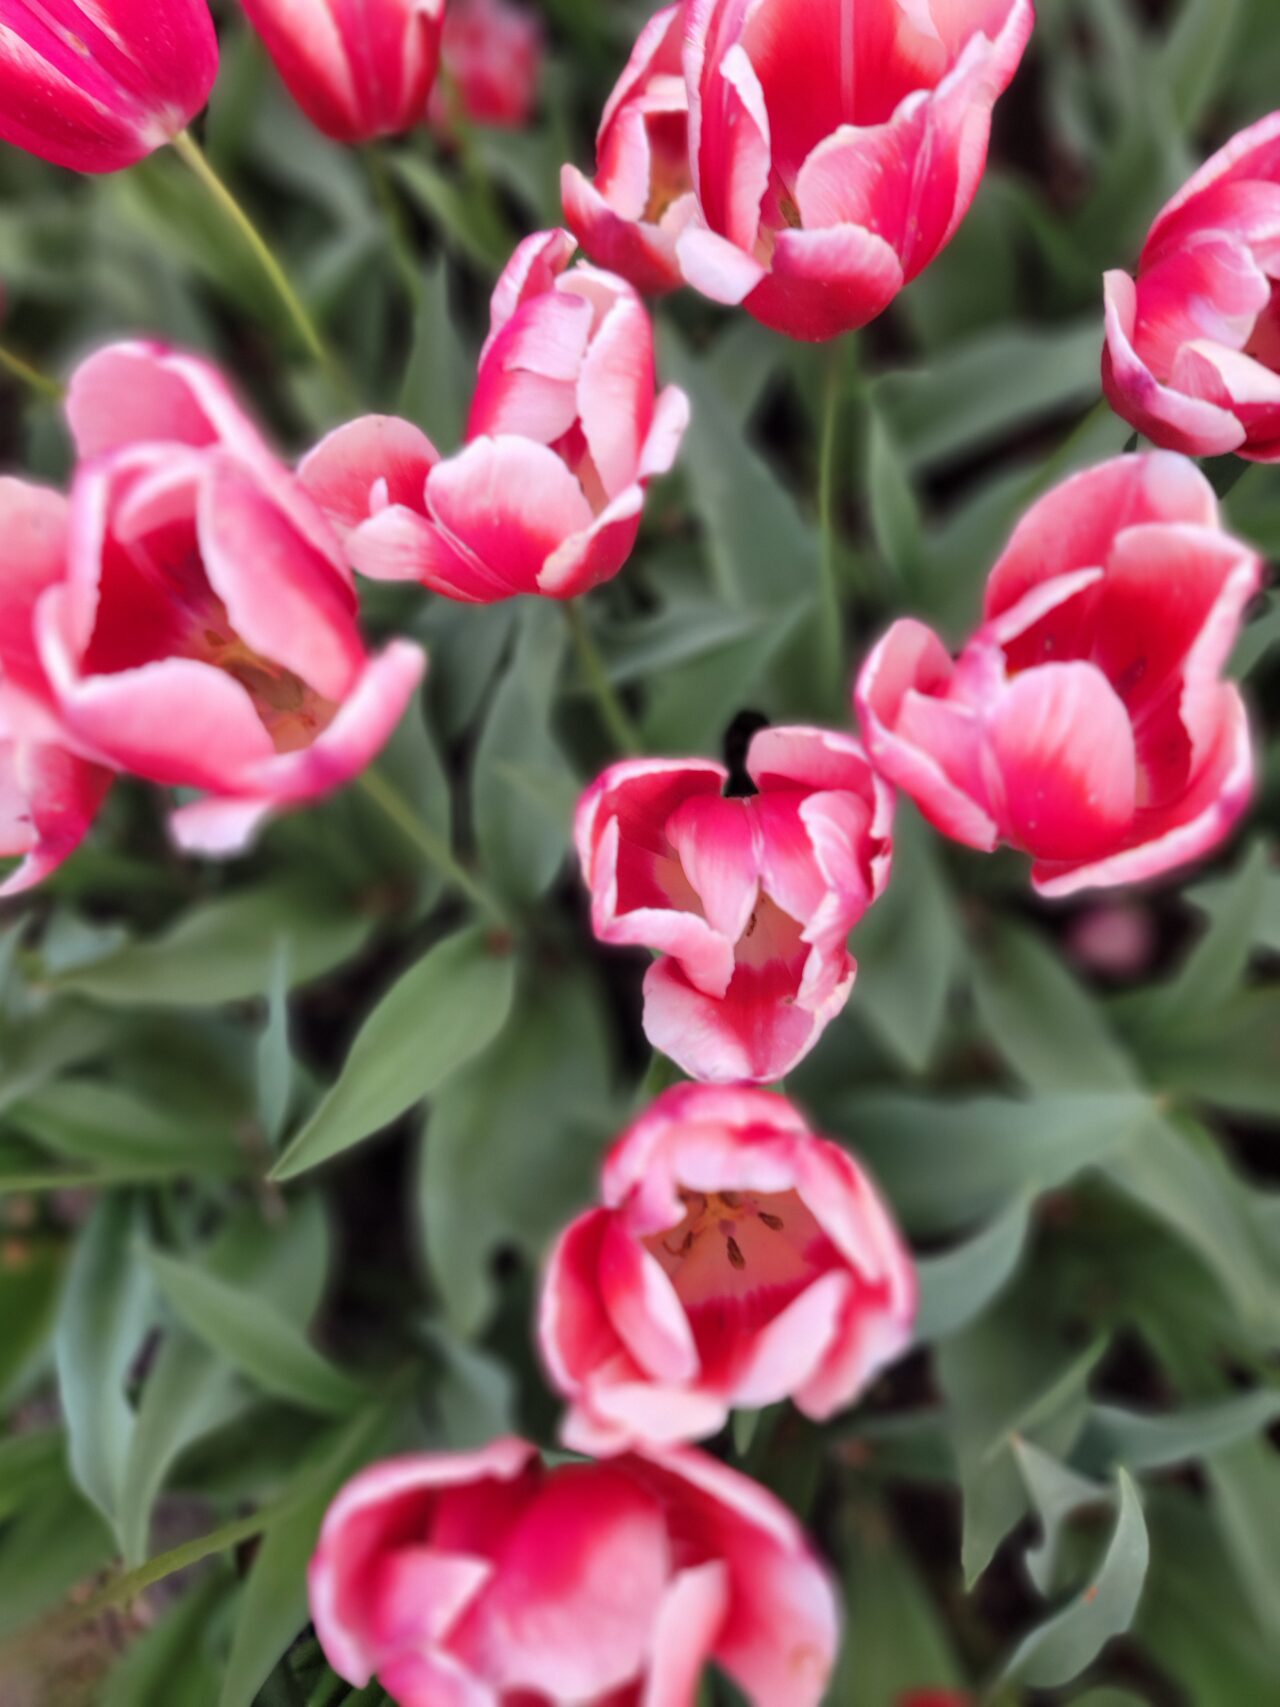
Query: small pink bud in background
x=566 y=430
x=1116 y=940
x=99 y=85
x=491 y=61
x=484 y=1579
x=737 y=1260
x=359 y=69
x=749 y=901
x=1087 y=722
x=1192 y=356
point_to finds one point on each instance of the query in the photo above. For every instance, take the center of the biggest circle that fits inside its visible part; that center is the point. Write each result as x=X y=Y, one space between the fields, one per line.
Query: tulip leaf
x=959 y=1285
x=1159 y=1440
x=434 y=1019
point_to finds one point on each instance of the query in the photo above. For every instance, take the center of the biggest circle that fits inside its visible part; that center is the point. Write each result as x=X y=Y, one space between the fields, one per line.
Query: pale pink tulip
x=484 y=1579
x=1087 y=722
x=836 y=145
x=359 y=69
x=97 y=85
x=1192 y=356
x=749 y=901
x=629 y=217
x=736 y=1260
x=204 y=631
x=565 y=434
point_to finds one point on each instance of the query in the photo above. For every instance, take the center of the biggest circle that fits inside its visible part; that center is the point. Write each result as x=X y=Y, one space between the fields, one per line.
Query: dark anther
x=773 y=1222
x=735 y=1254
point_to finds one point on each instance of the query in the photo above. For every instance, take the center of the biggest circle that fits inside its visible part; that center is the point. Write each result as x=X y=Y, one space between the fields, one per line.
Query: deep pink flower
x=491 y=58
x=483 y=1579
x=359 y=69
x=97 y=85
x=836 y=146
x=1192 y=356
x=750 y=901
x=737 y=1260
x=642 y=198
x=49 y=795
x=564 y=436
x=1087 y=721
x=204 y=631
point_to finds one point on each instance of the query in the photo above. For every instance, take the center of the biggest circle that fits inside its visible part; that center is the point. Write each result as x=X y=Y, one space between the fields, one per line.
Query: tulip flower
x=484 y=1579
x=49 y=795
x=1192 y=355
x=749 y=900
x=1087 y=721
x=202 y=631
x=629 y=218
x=836 y=146
x=564 y=435
x=491 y=60
x=357 y=70
x=736 y=1260
x=98 y=85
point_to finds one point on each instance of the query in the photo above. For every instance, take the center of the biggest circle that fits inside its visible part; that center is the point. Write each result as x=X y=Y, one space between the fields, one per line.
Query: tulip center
x=738 y=1258
x=292 y=713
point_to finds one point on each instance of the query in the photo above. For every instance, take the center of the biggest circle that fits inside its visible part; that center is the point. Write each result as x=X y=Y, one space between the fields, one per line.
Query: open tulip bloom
x=564 y=435
x=97 y=85
x=736 y=1260
x=196 y=624
x=749 y=901
x=484 y=1579
x=1192 y=355
x=1087 y=721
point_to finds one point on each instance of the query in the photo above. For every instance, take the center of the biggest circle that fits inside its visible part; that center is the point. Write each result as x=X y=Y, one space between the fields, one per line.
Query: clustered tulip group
x=187 y=613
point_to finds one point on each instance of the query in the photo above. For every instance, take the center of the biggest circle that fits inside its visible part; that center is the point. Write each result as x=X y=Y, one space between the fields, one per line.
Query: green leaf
x=254 y=1338
x=30 y=1284
x=275 y=1059
x=897 y=524
x=437 y=382
x=898 y=1642
x=1220 y=895
x=1056 y=1494
x=909 y=950
x=1070 y=1641
x=466 y=220
x=433 y=1020
x=1214 y=968
x=957 y=1287
x=105 y=1314
x=114 y=1130
x=55 y=1543
x=224 y=950
x=1159 y=1440
x=1245 y=1491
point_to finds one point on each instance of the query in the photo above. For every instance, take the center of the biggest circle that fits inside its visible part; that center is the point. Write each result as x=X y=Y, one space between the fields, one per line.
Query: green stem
x=190 y=152
x=399 y=235
x=432 y=846
x=830 y=613
x=612 y=712
x=30 y=376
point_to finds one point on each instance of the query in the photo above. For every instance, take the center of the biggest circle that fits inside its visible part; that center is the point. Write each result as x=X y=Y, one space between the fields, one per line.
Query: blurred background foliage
x=281 y=1143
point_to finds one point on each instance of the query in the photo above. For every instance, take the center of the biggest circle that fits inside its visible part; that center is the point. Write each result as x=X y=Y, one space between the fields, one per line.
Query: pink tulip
x=484 y=1579
x=1192 y=355
x=359 y=69
x=203 y=631
x=1087 y=721
x=642 y=197
x=750 y=901
x=49 y=795
x=491 y=55
x=737 y=1260
x=836 y=146
x=97 y=85
x=564 y=436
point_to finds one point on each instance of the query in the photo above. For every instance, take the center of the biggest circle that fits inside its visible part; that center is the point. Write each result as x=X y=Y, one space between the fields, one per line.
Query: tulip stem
x=399 y=236
x=190 y=152
x=41 y=383
x=432 y=846
x=612 y=711
x=830 y=605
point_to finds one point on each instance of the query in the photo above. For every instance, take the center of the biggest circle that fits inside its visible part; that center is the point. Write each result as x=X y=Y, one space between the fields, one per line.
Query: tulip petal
x=684 y=1634
x=367 y=466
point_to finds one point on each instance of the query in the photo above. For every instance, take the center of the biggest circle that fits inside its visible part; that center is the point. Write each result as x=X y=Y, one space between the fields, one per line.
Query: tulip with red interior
x=749 y=900
x=359 y=69
x=835 y=146
x=485 y=1579
x=1087 y=722
x=736 y=1260
x=97 y=85
x=1192 y=356
x=566 y=430
x=629 y=216
x=203 y=632
x=491 y=60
